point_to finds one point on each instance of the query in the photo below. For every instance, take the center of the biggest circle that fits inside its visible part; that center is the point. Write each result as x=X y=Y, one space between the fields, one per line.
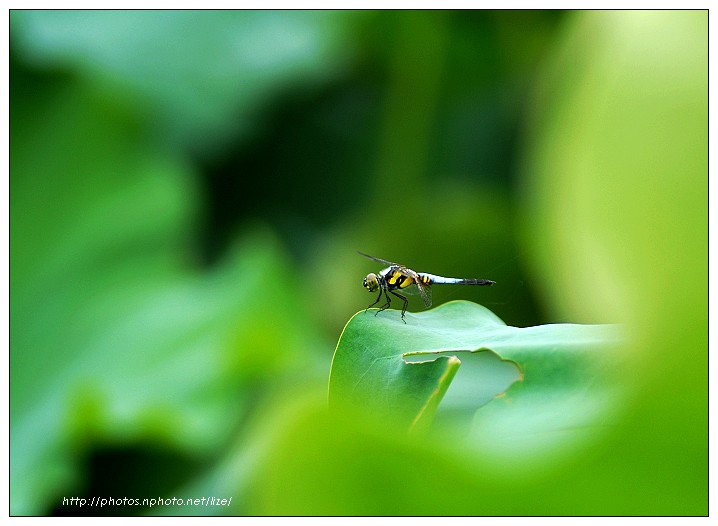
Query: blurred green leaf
x=617 y=220
x=322 y=463
x=199 y=76
x=402 y=370
x=116 y=336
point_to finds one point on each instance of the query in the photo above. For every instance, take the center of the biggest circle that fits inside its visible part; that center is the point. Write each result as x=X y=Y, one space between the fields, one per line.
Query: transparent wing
x=382 y=261
x=417 y=288
x=424 y=291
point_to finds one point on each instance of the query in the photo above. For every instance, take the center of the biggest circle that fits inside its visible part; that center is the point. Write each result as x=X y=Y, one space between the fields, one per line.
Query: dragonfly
x=398 y=277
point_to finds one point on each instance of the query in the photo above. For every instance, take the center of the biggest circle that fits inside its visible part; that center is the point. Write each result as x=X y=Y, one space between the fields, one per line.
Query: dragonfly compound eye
x=371 y=283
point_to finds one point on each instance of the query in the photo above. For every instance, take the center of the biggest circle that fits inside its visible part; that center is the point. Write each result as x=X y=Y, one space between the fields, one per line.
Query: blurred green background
x=188 y=190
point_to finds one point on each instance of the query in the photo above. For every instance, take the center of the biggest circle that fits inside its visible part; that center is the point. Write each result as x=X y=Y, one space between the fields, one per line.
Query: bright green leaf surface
x=402 y=371
x=387 y=375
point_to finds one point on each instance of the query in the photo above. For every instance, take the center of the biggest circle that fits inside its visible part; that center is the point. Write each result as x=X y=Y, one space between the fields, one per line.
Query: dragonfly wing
x=382 y=261
x=424 y=292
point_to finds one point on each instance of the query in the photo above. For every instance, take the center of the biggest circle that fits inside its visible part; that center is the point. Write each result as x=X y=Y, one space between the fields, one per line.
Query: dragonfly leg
x=387 y=304
x=406 y=304
x=377 y=300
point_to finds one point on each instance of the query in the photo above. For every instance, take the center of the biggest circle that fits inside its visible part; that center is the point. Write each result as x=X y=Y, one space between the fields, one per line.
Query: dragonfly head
x=371 y=283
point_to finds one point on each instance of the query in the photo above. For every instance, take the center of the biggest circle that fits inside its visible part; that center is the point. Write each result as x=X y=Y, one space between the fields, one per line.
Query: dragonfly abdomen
x=430 y=278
